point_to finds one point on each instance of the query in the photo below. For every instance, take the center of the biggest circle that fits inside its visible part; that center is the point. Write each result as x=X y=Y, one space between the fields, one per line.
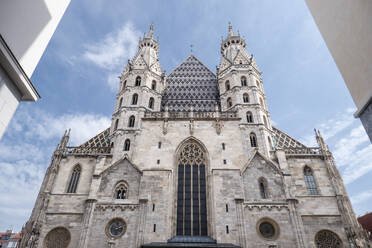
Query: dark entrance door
x=191 y=192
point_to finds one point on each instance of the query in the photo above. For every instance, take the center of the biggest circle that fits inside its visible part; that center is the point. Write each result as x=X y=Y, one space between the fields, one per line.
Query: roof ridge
x=191 y=56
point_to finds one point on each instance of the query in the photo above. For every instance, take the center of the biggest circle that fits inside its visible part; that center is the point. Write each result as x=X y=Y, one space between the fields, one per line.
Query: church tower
x=241 y=90
x=140 y=91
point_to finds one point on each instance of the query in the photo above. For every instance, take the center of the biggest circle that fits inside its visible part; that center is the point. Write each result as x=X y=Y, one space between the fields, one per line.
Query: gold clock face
x=116 y=228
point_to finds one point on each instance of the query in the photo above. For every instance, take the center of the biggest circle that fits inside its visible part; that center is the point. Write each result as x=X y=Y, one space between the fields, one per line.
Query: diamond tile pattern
x=283 y=140
x=100 y=140
x=191 y=83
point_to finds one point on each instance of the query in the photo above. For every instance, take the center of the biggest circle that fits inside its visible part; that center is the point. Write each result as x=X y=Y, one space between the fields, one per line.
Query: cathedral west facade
x=192 y=160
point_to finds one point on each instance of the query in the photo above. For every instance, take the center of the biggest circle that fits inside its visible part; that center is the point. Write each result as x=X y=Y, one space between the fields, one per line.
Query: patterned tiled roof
x=100 y=140
x=191 y=83
x=283 y=140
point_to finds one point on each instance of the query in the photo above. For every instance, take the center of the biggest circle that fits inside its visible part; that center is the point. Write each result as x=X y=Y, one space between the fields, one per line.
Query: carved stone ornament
x=165 y=127
x=191 y=127
x=58 y=238
x=327 y=239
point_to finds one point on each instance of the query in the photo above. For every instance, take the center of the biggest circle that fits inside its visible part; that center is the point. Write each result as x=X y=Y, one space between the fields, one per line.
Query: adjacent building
x=191 y=159
x=9 y=239
x=346 y=28
x=25 y=30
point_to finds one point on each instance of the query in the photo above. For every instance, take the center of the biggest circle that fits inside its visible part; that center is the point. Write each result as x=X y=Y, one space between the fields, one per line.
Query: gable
x=259 y=162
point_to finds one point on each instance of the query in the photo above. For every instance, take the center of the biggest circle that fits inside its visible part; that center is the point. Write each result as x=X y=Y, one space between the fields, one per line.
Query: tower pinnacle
x=151 y=31
x=231 y=32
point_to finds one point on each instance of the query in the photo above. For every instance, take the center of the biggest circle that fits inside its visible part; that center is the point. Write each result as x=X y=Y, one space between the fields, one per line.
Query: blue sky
x=77 y=79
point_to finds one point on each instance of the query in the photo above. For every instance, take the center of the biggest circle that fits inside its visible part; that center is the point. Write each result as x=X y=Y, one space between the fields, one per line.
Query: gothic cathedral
x=192 y=160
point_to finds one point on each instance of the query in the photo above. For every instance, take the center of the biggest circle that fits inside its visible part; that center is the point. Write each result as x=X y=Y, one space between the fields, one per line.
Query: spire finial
x=191 y=46
x=151 y=32
x=231 y=32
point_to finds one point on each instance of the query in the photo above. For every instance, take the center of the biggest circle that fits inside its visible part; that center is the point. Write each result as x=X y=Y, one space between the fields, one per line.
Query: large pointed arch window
x=121 y=191
x=74 y=179
x=310 y=181
x=138 y=81
x=191 y=192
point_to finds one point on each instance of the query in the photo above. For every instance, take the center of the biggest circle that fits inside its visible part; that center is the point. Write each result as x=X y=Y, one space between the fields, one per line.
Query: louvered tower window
x=191 y=192
x=262 y=183
x=243 y=80
x=151 y=103
x=227 y=85
x=245 y=98
x=74 y=179
x=134 y=99
x=249 y=117
x=127 y=145
x=131 y=121
x=310 y=181
x=138 y=81
x=153 y=85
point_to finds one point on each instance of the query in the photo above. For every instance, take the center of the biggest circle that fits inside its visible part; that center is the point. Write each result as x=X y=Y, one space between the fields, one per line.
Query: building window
x=116 y=124
x=257 y=83
x=223 y=146
x=125 y=84
x=153 y=207
x=159 y=145
x=268 y=229
x=227 y=208
x=74 y=179
x=249 y=117
x=227 y=85
x=224 y=161
x=153 y=85
x=245 y=97
x=327 y=239
x=310 y=181
x=151 y=103
x=120 y=102
x=158 y=161
x=132 y=119
x=243 y=80
x=154 y=228
x=138 y=81
x=112 y=144
x=264 y=120
x=127 y=145
x=121 y=191
x=227 y=229
x=229 y=102
x=134 y=99
x=262 y=183
x=58 y=235
x=253 y=140
x=191 y=191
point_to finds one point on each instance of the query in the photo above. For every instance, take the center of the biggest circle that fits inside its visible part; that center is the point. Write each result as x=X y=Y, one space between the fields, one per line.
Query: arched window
x=249 y=117
x=310 y=181
x=151 y=103
x=121 y=191
x=120 y=102
x=326 y=239
x=245 y=97
x=261 y=102
x=227 y=85
x=138 y=81
x=74 y=179
x=229 y=102
x=131 y=121
x=243 y=80
x=134 y=99
x=153 y=85
x=57 y=237
x=127 y=145
x=116 y=124
x=262 y=184
x=253 y=139
x=257 y=83
x=264 y=120
x=125 y=84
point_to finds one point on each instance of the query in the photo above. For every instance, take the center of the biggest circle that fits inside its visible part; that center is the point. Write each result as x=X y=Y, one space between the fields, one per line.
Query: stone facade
x=201 y=158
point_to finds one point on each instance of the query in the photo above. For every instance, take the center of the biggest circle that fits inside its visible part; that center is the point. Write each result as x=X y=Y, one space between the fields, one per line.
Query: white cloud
x=361 y=197
x=115 y=49
x=113 y=82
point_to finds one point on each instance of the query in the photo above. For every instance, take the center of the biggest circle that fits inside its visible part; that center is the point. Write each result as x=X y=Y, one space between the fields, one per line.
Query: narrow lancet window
x=134 y=99
x=153 y=85
x=249 y=117
x=127 y=145
x=263 y=188
x=253 y=140
x=74 y=179
x=138 y=81
x=116 y=124
x=151 y=103
x=243 y=81
x=120 y=102
x=227 y=85
x=132 y=120
x=310 y=181
x=245 y=98
x=229 y=102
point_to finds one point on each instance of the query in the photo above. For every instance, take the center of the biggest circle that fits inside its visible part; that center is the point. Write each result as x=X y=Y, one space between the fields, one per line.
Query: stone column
x=240 y=222
x=90 y=206
x=141 y=221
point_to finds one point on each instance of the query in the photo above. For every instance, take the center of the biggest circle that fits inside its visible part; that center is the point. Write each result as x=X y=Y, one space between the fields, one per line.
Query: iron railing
x=188 y=115
x=73 y=150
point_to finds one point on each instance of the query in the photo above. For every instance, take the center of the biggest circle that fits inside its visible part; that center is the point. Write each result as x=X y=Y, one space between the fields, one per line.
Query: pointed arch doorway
x=191 y=190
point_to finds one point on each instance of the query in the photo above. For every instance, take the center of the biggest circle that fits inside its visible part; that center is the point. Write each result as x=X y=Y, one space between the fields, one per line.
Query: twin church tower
x=191 y=160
